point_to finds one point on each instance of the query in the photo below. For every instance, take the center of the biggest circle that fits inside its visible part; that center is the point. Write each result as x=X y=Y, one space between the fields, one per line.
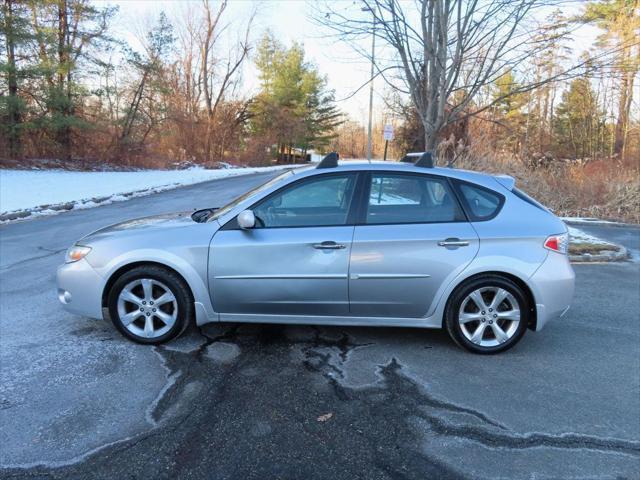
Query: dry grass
x=590 y=248
x=606 y=189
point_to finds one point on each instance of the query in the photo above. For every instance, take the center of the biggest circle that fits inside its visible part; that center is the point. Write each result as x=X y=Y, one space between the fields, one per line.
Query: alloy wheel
x=489 y=316
x=147 y=308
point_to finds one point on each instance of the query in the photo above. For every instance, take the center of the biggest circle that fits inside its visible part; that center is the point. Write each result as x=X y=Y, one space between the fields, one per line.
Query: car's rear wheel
x=150 y=304
x=487 y=314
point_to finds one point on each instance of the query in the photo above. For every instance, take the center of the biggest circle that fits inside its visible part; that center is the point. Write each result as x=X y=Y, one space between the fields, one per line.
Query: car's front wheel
x=150 y=304
x=487 y=314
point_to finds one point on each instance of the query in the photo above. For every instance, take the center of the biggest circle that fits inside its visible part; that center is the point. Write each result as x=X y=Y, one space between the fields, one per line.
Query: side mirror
x=246 y=219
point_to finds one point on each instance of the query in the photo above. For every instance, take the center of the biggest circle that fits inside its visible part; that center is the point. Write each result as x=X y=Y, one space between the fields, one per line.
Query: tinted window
x=482 y=202
x=397 y=198
x=318 y=201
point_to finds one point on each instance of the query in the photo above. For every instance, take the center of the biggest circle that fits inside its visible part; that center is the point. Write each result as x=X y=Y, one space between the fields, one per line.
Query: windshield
x=230 y=206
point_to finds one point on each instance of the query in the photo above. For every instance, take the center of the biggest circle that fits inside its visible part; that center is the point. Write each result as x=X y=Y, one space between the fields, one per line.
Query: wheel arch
x=515 y=279
x=130 y=266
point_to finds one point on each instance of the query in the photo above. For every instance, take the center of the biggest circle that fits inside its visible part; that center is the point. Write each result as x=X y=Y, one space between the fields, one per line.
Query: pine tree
x=620 y=19
x=548 y=64
x=15 y=33
x=507 y=110
x=64 y=31
x=294 y=106
x=579 y=121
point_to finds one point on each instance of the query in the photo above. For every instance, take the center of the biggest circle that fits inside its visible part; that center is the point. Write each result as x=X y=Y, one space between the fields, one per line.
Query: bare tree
x=444 y=52
x=150 y=66
x=218 y=74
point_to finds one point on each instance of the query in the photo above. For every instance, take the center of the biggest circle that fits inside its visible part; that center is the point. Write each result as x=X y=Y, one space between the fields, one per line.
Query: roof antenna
x=330 y=161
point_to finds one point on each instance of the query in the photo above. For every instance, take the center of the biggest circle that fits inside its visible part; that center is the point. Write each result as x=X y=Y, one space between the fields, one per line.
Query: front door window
x=319 y=201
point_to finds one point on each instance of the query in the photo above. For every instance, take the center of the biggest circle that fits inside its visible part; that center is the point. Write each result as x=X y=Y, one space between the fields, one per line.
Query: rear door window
x=410 y=198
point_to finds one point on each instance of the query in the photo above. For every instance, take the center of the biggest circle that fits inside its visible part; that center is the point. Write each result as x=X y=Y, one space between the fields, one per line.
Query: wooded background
x=489 y=84
x=65 y=94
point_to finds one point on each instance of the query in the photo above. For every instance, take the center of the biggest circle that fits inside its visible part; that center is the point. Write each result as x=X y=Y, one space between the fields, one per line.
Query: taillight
x=558 y=243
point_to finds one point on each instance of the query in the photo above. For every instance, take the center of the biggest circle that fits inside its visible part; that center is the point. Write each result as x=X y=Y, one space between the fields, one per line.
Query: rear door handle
x=328 y=246
x=453 y=242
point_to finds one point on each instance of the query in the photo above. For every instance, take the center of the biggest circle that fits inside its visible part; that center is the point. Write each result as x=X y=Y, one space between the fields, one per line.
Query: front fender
x=195 y=280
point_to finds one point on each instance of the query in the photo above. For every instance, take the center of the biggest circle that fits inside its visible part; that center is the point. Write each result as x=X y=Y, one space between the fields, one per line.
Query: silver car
x=375 y=244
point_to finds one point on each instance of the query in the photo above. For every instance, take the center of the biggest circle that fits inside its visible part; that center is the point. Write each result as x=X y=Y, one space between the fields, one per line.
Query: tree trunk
x=15 y=117
x=624 y=108
x=63 y=87
x=431 y=141
x=133 y=109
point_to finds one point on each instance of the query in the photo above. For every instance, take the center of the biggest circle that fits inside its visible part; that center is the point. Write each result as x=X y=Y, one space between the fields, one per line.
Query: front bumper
x=553 y=285
x=80 y=289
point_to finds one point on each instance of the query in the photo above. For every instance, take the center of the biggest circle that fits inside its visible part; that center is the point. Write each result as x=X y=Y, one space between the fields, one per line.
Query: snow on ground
x=584 y=247
x=587 y=221
x=578 y=236
x=27 y=190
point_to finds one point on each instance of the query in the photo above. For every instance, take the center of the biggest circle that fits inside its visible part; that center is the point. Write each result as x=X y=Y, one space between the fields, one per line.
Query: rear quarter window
x=480 y=203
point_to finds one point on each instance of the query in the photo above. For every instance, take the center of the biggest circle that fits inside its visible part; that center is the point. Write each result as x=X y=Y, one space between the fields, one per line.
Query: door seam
x=353 y=234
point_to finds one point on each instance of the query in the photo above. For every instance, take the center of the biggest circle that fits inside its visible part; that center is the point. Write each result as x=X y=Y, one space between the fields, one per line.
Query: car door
x=412 y=236
x=295 y=261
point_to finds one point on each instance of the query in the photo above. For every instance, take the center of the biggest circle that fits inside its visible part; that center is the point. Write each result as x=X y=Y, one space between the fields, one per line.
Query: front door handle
x=328 y=246
x=453 y=242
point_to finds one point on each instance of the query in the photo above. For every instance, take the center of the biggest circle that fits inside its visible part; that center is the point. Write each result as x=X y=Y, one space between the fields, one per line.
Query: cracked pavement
x=242 y=401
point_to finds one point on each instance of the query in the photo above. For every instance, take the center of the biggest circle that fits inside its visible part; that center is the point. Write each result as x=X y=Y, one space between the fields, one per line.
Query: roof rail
x=330 y=161
x=419 y=159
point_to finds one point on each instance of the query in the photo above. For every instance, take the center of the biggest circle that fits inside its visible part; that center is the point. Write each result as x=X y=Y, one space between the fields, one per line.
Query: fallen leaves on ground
x=325 y=417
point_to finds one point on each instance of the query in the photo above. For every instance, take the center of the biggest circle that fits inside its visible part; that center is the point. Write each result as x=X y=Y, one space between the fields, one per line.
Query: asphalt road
x=243 y=401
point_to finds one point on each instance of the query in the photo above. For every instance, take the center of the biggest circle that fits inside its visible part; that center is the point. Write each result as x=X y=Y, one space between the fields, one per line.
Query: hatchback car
x=375 y=244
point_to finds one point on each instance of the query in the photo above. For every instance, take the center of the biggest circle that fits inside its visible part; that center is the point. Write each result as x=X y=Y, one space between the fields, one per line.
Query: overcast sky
x=290 y=21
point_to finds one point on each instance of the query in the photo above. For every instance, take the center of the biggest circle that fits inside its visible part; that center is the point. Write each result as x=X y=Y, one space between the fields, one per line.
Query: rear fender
x=521 y=269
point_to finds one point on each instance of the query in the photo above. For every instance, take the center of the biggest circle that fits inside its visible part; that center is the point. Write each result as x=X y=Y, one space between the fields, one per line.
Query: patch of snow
x=578 y=236
x=586 y=220
x=25 y=190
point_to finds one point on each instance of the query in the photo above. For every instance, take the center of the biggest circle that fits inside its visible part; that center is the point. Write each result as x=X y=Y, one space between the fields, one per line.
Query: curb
x=66 y=206
x=606 y=256
x=601 y=223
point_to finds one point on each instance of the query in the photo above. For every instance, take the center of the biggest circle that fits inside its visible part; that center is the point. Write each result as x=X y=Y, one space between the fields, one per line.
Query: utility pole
x=373 y=62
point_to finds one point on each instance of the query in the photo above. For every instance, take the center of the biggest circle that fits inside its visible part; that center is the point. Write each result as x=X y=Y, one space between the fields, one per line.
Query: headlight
x=75 y=253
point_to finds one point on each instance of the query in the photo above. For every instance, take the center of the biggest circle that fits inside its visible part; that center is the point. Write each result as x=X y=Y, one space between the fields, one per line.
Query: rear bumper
x=80 y=289
x=553 y=285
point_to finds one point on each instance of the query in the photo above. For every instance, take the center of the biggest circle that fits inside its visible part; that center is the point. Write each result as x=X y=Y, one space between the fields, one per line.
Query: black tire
x=168 y=278
x=452 y=324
